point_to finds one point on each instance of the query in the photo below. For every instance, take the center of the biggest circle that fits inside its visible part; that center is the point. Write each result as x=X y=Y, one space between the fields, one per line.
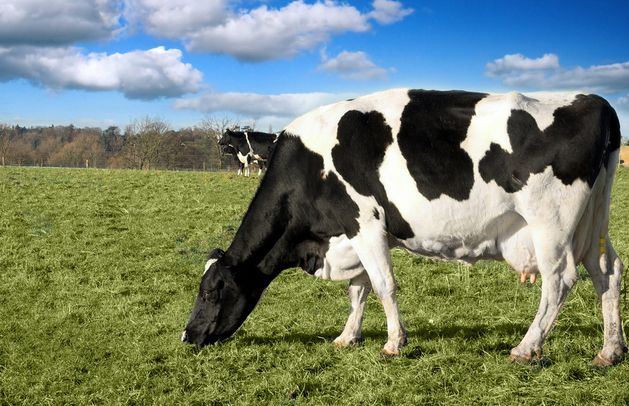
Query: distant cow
x=240 y=160
x=249 y=146
x=455 y=175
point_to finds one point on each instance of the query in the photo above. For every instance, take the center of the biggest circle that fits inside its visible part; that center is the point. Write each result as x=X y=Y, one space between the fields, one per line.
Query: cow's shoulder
x=318 y=128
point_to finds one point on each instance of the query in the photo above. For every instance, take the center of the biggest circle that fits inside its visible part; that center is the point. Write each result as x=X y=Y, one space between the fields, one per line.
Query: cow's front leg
x=372 y=248
x=359 y=288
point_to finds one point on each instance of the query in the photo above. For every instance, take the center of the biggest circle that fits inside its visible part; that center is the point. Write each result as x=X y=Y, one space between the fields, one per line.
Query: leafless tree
x=213 y=128
x=144 y=139
x=6 y=134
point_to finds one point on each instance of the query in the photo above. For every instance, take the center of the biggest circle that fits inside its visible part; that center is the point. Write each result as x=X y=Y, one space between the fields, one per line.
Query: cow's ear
x=217 y=253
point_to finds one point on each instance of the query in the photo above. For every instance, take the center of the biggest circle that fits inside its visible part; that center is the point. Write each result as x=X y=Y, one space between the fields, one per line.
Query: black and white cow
x=229 y=150
x=249 y=146
x=455 y=175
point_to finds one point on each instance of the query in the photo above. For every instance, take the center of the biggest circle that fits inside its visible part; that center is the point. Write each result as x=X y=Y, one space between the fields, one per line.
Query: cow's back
x=461 y=169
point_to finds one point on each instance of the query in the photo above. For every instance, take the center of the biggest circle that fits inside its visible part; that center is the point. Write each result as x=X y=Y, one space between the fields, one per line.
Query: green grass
x=99 y=269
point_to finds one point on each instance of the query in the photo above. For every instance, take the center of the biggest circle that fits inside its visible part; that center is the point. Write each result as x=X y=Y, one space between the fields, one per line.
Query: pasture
x=99 y=269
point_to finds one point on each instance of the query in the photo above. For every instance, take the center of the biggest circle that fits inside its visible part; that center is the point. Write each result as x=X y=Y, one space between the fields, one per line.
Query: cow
x=448 y=174
x=250 y=146
x=239 y=159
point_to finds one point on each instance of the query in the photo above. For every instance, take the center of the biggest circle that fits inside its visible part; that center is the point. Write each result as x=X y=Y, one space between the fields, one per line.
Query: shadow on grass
x=421 y=334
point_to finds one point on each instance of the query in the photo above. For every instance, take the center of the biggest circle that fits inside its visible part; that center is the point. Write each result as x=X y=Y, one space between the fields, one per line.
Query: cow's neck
x=278 y=225
x=264 y=226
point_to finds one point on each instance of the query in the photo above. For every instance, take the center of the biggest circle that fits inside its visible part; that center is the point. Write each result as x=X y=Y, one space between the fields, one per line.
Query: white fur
x=208 y=264
x=243 y=159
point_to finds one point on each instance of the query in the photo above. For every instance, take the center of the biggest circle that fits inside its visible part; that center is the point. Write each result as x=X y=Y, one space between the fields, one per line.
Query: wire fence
x=201 y=167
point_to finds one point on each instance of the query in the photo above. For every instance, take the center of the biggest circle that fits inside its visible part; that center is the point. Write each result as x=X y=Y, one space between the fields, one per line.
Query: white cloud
x=264 y=34
x=388 y=11
x=546 y=73
x=352 y=65
x=255 y=105
x=158 y=72
x=175 y=18
x=57 y=22
x=517 y=63
x=258 y=34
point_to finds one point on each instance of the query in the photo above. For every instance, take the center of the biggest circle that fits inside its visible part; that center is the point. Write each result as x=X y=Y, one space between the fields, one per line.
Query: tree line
x=147 y=143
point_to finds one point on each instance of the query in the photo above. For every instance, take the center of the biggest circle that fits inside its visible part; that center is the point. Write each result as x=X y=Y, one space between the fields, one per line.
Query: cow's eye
x=216 y=291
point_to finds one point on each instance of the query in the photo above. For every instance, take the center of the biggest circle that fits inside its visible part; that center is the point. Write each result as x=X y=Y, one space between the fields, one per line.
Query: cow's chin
x=219 y=331
x=216 y=339
x=207 y=338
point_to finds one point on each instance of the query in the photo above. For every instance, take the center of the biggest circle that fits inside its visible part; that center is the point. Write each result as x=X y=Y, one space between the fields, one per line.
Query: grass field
x=99 y=269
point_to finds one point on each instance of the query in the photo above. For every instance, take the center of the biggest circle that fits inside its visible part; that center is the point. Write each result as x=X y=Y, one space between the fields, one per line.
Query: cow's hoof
x=525 y=357
x=616 y=358
x=391 y=350
x=342 y=342
x=520 y=359
x=387 y=353
x=601 y=361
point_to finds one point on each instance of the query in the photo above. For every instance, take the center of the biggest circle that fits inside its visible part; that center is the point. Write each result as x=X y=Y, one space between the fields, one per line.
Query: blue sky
x=109 y=62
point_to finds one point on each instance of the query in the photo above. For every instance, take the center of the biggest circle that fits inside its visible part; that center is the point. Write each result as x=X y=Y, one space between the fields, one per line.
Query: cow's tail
x=607 y=255
x=591 y=237
x=600 y=259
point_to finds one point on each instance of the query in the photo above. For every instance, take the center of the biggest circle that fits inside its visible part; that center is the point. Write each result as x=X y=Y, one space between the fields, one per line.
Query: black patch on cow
x=216 y=254
x=575 y=145
x=433 y=126
x=363 y=139
x=376 y=214
x=262 y=144
x=293 y=214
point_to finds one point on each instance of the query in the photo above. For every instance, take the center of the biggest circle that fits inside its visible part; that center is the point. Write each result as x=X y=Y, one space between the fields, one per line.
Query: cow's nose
x=184 y=337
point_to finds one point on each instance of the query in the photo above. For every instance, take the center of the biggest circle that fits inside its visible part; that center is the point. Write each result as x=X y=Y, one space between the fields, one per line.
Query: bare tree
x=213 y=128
x=143 y=141
x=6 y=135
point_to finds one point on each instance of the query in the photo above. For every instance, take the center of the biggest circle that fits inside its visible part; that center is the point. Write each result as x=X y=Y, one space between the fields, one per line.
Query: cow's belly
x=504 y=237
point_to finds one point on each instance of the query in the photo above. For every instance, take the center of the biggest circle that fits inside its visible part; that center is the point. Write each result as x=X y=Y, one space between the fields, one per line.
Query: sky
x=110 y=62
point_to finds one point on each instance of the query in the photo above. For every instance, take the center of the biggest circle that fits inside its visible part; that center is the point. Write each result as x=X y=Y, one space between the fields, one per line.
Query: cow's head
x=226 y=139
x=233 y=142
x=223 y=303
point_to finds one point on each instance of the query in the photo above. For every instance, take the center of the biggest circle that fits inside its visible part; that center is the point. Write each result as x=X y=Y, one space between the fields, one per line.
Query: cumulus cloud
x=175 y=18
x=388 y=11
x=257 y=105
x=352 y=65
x=57 y=22
x=517 y=63
x=264 y=33
x=258 y=34
x=155 y=73
x=546 y=73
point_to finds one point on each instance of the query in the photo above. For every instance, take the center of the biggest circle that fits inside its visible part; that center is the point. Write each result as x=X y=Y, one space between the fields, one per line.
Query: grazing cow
x=455 y=175
x=250 y=146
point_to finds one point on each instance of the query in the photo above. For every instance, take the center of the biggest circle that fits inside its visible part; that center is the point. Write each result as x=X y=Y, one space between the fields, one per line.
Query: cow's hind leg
x=558 y=270
x=605 y=269
x=359 y=288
